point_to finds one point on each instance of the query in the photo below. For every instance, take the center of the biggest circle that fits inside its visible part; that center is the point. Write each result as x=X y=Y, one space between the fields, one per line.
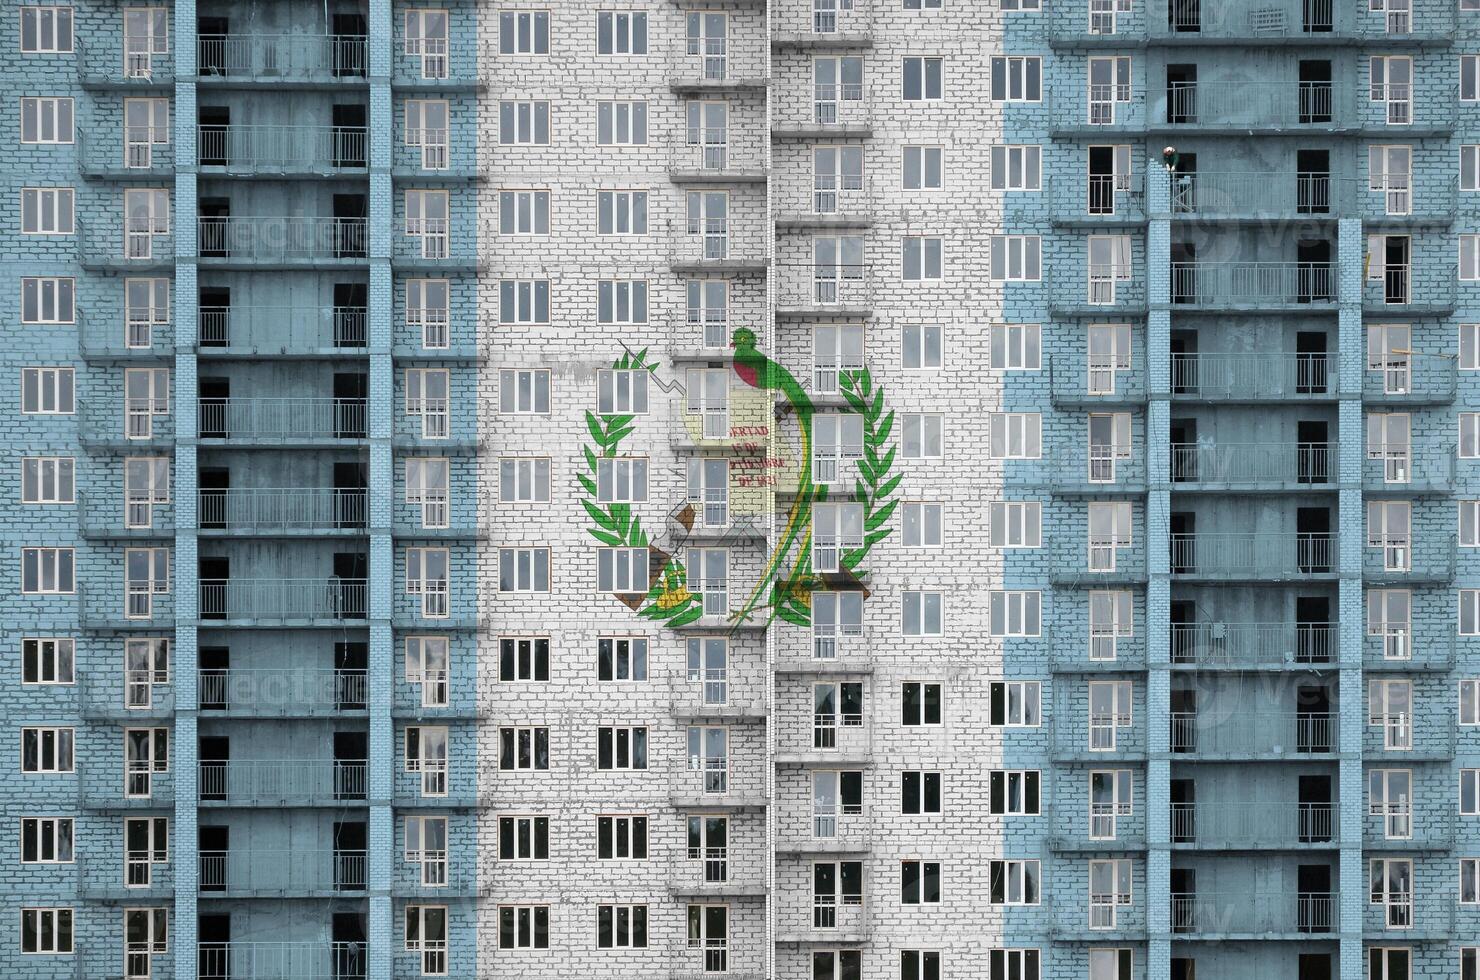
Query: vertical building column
x=1351 y=364
x=769 y=341
x=184 y=843
x=1158 y=568
x=380 y=587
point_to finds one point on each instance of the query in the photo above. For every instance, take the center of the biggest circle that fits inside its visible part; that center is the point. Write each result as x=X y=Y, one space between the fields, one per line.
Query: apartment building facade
x=805 y=489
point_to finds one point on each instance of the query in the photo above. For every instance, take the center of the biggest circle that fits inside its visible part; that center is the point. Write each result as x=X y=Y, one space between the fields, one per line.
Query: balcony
x=1406 y=289
x=1240 y=734
x=806 y=290
x=282 y=242
x=282 y=59
x=715 y=694
x=126 y=694
x=1077 y=652
x=297 y=151
x=280 y=422
x=286 y=331
x=1261 y=556
x=826 y=920
x=283 y=601
x=823 y=112
x=282 y=782
x=715 y=782
x=283 y=512
x=840 y=25
x=147 y=335
x=1254 y=466
x=1419 y=379
x=1097 y=199
x=244 y=873
x=709 y=156
x=699 y=66
x=1400 y=918
x=106 y=516
x=1395 y=561
x=1089 y=564
x=1404 y=738
x=1295 y=915
x=716 y=245
x=1079 y=381
x=1242 y=645
x=1098 y=828
x=1228 y=286
x=1214 y=194
x=291 y=692
x=1408 y=469
x=104 y=65
x=1244 y=107
x=826 y=828
x=148 y=154
x=323 y=960
x=826 y=202
x=1253 y=826
x=1108 y=290
x=1094 y=470
x=129 y=876
x=124 y=606
x=1257 y=21
x=1096 y=737
x=126 y=423
x=716 y=872
x=1397 y=648
x=125 y=246
x=1253 y=377
x=833 y=739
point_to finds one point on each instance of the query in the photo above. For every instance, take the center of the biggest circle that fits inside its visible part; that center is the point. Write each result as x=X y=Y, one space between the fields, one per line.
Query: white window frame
x=622 y=122
x=922 y=524
x=423 y=653
x=48 y=480
x=429 y=308
x=922 y=613
x=50 y=120
x=1021 y=78
x=48 y=211
x=48 y=300
x=528 y=569
x=1016 y=258
x=524 y=33
x=54 y=386
x=623 y=392
x=1015 y=612
x=1015 y=524
x=621 y=33
x=428 y=489
x=46 y=29
x=524 y=828
x=524 y=212
x=623 y=571
x=1016 y=168
x=524 y=479
x=422 y=580
x=524 y=391
x=524 y=122
x=52 y=839
x=54 y=570
x=1027 y=696
x=48 y=660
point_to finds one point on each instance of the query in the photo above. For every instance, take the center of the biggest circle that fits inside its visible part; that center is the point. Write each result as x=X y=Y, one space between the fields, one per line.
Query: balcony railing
x=1404 y=467
x=1251 y=104
x=287 y=873
x=282 y=149
x=1396 y=288
x=285 y=691
x=823 y=287
x=1253 y=284
x=283 y=599
x=1396 y=647
x=1244 y=913
x=1251 y=733
x=265 y=509
x=1253 y=377
x=285 y=420
x=1215 y=194
x=1088 y=196
x=1079 y=379
x=282 y=57
x=699 y=63
x=1251 y=464
x=1235 y=825
x=265 y=782
x=1253 y=20
x=1412 y=379
x=138 y=243
x=323 y=960
x=282 y=329
x=1257 y=556
x=273 y=240
x=826 y=198
x=714 y=153
x=1395 y=559
x=1085 y=562
x=1253 y=644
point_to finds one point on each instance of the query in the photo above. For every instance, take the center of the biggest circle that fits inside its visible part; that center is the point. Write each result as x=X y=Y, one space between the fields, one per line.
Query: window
x=427 y=754
x=146 y=842
x=835 y=82
x=622 y=838
x=923 y=168
x=524 y=212
x=428 y=574
x=1469 y=956
x=1392 y=83
x=427 y=667
x=1469 y=881
x=1469 y=346
x=1109 y=710
x=146 y=214
x=1015 y=347
x=427 y=128
x=426 y=935
x=524 y=32
x=1016 y=168
x=46 y=930
x=922 y=435
x=524 y=927
x=1108 y=258
x=622 y=392
x=1469 y=435
x=523 y=838
x=46 y=840
x=1392 y=888
x=921 y=258
x=708 y=397
x=923 y=79
x=524 y=123
x=621 y=301
x=426 y=847
x=1469 y=612
x=922 y=613
x=144 y=934
x=524 y=569
x=146 y=662
x=621 y=926
x=145 y=34
x=47 y=480
x=622 y=479
x=708 y=577
x=146 y=574
x=1469 y=77
x=1016 y=524
x=1016 y=79
x=146 y=305
x=920 y=792
x=1015 y=258
x=46 y=571
x=524 y=392
x=919 y=882
x=921 y=703
x=1390 y=797
x=621 y=212
x=837 y=353
x=146 y=751
x=46 y=30
x=428 y=222
x=1389 y=526
x=621 y=659
x=46 y=211
x=1014 y=704
x=1110 y=797
x=1469 y=702
x=1110 y=617
x=523 y=480
x=524 y=658
x=922 y=4
x=922 y=345
x=1469 y=257
x=1014 y=435
x=48 y=300
x=835 y=615
x=622 y=570
x=426 y=38
x=1111 y=964
x=1109 y=888
x=1018 y=964
x=524 y=748
x=47 y=391
x=709 y=490
x=1390 y=173
x=621 y=32
x=621 y=123
x=1109 y=84
x=428 y=307
x=1014 y=792
x=427 y=398
x=1014 y=613
x=922 y=524
x=46 y=120
x=708 y=307
x=837 y=964
x=1109 y=530
x=1469 y=792
x=427 y=488
x=47 y=660
x=1013 y=882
